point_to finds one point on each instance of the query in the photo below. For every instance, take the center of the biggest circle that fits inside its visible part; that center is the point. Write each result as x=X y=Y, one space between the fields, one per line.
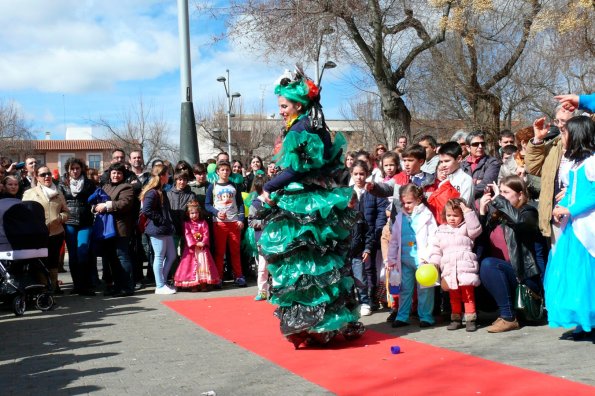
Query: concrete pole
x=188 y=138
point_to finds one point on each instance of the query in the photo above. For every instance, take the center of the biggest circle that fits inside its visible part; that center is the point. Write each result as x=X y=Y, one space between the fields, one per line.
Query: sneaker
x=164 y=290
x=501 y=325
x=424 y=324
x=365 y=310
x=261 y=296
x=241 y=282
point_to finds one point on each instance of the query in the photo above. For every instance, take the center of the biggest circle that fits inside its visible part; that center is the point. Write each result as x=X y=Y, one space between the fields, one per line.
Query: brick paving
x=135 y=345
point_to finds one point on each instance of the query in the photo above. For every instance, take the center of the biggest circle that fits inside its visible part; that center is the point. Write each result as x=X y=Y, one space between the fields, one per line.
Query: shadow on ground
x=48 y=348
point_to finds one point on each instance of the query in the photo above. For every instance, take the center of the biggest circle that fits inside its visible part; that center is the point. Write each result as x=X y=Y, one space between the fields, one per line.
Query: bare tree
x=365 y=118
x=13 y=125
x=383 y=38
x=251 y=134
x=504 y=60
x=141 y=128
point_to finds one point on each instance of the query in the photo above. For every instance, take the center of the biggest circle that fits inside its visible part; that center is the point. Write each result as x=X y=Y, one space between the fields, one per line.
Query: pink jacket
x=451 y=248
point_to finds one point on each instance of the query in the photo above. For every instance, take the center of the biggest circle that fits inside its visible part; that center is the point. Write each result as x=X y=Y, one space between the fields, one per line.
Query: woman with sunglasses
x=56 y=214
x=482 y=167
x=183 y=166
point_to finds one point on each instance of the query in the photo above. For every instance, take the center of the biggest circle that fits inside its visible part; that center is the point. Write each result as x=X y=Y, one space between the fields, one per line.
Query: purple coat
x=452 y=249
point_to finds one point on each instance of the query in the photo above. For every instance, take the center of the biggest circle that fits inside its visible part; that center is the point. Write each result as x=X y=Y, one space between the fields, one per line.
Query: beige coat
x=56 y=211
x=544 y=160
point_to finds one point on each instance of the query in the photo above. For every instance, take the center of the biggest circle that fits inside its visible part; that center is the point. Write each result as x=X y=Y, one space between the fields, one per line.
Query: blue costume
x=570 y=274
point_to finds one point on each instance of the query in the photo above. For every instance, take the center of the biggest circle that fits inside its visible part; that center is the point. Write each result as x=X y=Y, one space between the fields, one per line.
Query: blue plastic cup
x=395 y=349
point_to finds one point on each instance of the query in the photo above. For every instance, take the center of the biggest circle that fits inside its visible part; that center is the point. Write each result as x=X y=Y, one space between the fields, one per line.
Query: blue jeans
x=425 y=296
x=77 y=242
x=117 y=255
x=361 y=280
x=499 y=278
x=165 y=255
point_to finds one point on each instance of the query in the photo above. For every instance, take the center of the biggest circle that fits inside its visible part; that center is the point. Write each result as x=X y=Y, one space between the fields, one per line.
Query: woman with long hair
x=76 y=189
x=256 y=164
x=160 y=227
x=510 y=235
x=570 y=275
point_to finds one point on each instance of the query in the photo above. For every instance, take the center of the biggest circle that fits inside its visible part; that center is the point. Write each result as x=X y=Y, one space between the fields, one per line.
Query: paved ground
x=136 y=345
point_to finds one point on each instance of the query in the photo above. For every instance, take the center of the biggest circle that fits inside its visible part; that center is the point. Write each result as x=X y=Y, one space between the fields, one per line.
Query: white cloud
x=81 y=46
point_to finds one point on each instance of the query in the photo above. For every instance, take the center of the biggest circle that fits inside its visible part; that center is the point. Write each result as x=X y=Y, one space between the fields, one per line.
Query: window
x=94 y=161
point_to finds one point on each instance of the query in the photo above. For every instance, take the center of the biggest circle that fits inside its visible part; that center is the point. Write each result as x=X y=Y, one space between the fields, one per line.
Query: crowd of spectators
x=509 y=195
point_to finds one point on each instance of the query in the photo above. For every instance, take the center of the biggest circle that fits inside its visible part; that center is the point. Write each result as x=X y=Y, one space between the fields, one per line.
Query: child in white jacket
x=414 y=226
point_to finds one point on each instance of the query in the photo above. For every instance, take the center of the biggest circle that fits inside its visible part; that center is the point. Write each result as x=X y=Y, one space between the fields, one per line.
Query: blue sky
x=66 y=62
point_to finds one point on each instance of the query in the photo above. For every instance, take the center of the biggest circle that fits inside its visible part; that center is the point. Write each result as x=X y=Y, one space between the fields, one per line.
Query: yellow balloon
x=426 y=275
x=246 y=209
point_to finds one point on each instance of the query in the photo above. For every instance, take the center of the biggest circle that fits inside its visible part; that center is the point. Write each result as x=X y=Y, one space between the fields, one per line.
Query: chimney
x=48 y=135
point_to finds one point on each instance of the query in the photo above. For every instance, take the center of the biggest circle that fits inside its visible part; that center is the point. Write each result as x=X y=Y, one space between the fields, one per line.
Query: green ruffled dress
x=305 y=241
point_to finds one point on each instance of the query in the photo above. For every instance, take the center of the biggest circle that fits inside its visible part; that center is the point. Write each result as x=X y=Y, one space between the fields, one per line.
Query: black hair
x=199 y=168
x=120 y=150
x=452 y=149
x=416 y=151
x=361 y=164
x=155 y=161
x=581 y=138
x=430 y=139
x=119 y=167
x=182 y=174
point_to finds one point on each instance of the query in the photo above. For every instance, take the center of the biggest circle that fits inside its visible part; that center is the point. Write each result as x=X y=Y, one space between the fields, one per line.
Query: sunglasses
x=46 y=174
x=477 y=144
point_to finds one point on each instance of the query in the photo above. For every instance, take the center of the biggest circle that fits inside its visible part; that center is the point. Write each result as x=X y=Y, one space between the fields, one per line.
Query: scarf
x=76 y=185
x=49 y=192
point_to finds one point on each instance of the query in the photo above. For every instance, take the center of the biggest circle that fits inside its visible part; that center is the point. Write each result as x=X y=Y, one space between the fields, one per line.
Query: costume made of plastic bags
x=305 y=241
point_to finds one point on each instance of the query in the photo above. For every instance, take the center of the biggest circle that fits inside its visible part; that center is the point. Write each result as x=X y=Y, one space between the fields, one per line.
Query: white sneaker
x=365 y=310
x=164 y=290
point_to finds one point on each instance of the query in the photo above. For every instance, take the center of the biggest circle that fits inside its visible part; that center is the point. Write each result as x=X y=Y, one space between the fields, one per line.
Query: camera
x=19 y=165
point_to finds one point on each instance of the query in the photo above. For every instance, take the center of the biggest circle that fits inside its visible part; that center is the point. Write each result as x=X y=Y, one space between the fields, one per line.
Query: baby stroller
x=24 y=279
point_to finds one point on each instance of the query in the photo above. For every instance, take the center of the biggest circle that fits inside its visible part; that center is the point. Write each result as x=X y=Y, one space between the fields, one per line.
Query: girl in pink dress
x=197 y=268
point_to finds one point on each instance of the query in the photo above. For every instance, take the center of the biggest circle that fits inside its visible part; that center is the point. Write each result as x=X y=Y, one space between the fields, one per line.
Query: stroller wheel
x=19 y=305
x=44 y=302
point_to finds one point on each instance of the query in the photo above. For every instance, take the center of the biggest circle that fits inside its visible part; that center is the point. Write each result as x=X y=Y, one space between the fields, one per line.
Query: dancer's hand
x=569 y=102
x=240 y=224
x=365 y=256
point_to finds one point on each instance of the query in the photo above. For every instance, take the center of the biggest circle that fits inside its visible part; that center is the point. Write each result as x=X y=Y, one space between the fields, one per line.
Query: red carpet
x=366 y=366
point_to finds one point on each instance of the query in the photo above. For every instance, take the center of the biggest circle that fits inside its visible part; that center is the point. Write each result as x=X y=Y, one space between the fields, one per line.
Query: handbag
x=529 y=303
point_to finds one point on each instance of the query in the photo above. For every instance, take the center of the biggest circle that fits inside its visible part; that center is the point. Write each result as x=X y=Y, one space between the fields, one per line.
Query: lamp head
x=236 y=95
x=329 y=65
x=221 y=79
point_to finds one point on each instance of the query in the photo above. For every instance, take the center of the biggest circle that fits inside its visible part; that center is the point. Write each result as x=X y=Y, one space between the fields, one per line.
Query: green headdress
x=297 y=88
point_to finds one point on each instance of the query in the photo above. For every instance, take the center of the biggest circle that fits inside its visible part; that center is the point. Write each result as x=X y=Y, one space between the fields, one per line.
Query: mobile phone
x=488 y=190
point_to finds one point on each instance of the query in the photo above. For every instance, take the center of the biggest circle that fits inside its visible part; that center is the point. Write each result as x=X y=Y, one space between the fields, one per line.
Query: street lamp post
x=323 y=32
x=230 y=97
x=188 y=138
